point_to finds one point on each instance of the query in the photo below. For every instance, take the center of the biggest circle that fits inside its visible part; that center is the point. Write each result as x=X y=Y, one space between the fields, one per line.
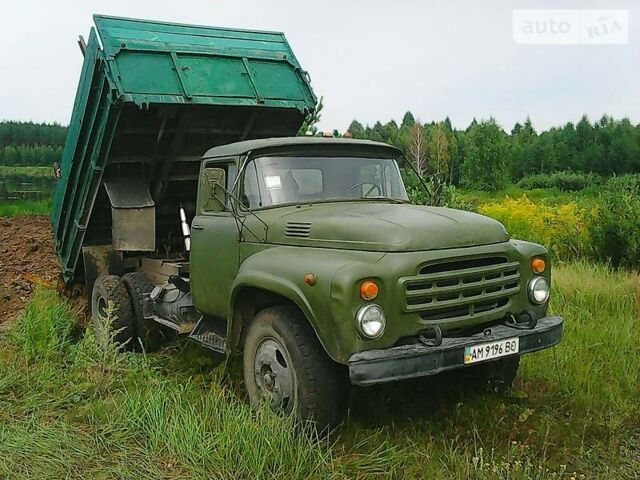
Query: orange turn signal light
x=538 y=265
x=368 y=290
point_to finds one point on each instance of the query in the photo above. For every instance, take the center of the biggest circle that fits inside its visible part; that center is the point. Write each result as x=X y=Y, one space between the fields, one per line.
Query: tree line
x=484 y=156
x=31 y=144
x=481 y=156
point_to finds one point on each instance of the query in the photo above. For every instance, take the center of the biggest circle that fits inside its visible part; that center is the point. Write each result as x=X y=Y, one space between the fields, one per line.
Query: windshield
x=271 y=181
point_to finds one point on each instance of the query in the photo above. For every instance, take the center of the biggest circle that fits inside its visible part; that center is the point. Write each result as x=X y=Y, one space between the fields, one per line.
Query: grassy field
x=40 y=178
x=25 y=207
x=6 y=171
x=75 y=408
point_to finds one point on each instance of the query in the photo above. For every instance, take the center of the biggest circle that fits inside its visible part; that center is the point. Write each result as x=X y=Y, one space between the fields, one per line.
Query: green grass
x=40 y=178
x=6 y=171
x=68 y=410
x=25 y=207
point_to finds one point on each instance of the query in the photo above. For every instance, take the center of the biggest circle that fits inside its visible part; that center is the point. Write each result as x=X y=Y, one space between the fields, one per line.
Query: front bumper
x=410 y=361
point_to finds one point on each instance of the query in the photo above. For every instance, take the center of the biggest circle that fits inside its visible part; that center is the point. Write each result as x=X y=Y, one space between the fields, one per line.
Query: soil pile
x=27 y=258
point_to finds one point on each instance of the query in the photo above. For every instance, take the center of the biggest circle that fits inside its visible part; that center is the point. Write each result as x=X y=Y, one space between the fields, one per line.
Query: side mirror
x=214 y=195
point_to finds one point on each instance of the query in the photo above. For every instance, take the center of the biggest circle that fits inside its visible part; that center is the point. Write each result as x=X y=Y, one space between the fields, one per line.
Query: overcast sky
x=370 y=60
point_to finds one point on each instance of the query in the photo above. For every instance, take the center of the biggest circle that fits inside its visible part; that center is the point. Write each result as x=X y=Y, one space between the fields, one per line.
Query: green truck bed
x=152 y=98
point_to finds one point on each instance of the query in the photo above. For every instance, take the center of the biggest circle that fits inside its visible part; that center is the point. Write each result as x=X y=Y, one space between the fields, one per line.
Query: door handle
x=196 y=226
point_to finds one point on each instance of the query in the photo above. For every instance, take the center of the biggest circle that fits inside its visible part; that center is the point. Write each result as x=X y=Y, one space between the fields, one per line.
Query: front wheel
x=285 y=366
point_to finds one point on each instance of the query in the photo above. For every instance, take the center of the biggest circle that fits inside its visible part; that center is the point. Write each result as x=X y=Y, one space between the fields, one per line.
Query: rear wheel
x=285 y=365
x=150 y=334
x=111 y=311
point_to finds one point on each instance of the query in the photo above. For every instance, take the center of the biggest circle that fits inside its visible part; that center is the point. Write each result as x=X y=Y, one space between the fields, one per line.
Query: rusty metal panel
x=134 y=229
x=133 y=215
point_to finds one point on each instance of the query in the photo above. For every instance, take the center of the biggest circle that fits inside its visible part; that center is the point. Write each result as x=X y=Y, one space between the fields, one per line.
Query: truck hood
x=380 y=227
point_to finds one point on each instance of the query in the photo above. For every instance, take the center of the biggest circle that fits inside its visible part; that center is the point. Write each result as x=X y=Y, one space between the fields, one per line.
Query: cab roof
x=241 y=148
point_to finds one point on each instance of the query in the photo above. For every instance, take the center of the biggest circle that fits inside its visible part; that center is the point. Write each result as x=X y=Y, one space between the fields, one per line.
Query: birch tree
x=417 y=148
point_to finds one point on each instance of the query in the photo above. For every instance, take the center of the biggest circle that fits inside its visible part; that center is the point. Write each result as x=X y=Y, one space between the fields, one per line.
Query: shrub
x=615 y=229
x=567 y=181
x=562 y=229
x=446 y=194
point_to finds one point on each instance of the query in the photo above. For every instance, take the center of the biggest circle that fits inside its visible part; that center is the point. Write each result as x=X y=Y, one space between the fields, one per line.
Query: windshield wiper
x=389 y=199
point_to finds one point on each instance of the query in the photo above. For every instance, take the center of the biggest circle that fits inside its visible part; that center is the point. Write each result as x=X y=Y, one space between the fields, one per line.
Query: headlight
x=370 y=321
x=539 y=290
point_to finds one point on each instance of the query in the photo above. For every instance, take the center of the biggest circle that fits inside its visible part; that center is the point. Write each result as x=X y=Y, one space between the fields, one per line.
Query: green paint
x=349 y=242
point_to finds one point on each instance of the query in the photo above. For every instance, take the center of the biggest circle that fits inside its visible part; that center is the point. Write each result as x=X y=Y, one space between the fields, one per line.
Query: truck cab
x=319 y=236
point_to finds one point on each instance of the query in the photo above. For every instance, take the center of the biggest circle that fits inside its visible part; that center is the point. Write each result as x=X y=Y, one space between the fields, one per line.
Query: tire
x=150 y=334
x=284 y=364
x=497 y=376
x=110 y=289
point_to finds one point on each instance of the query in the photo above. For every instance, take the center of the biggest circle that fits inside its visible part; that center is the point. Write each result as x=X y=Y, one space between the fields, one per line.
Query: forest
x=483 y=156
x=31 y=144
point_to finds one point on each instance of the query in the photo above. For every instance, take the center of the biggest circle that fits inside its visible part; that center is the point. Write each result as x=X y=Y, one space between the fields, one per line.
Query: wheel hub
x=268 y=381
x=274 y=375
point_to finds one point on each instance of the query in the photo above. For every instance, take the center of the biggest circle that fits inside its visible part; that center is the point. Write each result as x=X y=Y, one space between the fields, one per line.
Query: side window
x=213 y=184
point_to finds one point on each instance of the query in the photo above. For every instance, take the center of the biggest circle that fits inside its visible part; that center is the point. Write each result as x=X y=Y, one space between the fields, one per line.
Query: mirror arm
x=424 y=184
x=237 y=216
x=243 y=165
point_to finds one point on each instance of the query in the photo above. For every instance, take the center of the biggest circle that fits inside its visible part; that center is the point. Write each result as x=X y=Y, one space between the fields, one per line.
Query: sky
x=369 y=59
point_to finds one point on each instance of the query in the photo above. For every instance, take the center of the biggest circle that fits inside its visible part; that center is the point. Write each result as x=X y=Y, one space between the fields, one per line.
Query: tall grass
x=25 y=207
x=67 y=410
x=46 y=326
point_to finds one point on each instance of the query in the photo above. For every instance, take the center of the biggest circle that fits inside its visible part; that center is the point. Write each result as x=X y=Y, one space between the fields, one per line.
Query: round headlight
x=370 y=321
x=539 y=290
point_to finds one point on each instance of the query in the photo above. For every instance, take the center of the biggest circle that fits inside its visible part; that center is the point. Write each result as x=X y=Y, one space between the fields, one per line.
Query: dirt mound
x=27 y=258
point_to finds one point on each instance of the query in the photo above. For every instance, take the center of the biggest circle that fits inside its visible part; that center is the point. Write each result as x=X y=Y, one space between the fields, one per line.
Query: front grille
x=462 y=288
x=298 y=229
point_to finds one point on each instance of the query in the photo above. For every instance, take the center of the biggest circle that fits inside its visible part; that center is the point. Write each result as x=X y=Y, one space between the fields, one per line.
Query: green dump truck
x=303 y=254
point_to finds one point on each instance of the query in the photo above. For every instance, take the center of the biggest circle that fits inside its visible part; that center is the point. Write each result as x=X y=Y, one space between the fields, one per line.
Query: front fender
x=281 y=270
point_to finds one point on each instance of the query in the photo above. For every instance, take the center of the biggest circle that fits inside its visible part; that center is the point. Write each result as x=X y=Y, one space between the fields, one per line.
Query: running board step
x=205 y=334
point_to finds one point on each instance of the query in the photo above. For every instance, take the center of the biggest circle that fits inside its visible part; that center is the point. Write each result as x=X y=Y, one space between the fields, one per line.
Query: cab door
x=214 y=240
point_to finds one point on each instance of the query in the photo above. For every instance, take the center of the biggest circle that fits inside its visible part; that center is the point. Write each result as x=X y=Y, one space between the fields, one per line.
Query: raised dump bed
x=152 y=98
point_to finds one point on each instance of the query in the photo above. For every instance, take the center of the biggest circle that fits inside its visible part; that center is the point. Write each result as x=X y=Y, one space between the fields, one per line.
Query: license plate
x=488 y=351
